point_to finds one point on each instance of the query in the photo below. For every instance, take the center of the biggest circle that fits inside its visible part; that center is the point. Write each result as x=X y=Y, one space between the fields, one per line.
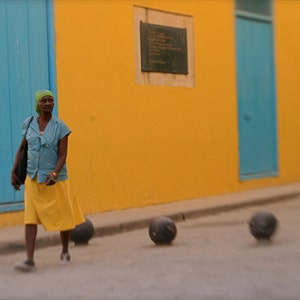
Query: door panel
x=24 y=68
x=256 y=98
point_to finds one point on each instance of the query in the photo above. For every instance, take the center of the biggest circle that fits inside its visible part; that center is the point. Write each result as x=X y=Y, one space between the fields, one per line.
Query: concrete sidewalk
x=108 y=223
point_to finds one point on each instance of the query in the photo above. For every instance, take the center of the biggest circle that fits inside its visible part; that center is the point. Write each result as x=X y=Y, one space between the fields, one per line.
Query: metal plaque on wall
x=163 y=49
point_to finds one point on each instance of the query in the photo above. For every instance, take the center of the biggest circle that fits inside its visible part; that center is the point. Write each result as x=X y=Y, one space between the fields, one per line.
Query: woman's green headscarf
x=39 y=95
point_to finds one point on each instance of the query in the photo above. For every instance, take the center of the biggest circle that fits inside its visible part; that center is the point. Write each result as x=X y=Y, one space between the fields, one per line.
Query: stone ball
x=263 y=225
x=162 y=231
x=82 y=233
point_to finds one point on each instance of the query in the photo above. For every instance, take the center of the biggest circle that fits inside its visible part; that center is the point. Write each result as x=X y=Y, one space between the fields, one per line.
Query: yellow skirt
x=54 y=206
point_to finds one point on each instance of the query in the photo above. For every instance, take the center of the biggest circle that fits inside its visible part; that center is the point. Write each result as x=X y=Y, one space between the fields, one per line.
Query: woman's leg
x=65 y=256
x=30 y=238
x=64 y=236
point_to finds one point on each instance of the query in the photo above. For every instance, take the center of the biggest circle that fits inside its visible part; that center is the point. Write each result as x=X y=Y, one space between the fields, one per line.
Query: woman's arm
x=62 y=156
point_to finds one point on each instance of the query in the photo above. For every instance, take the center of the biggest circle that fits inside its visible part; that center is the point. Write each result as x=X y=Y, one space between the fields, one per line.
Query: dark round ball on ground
x=263 y=225
x=82 y=233
x=162 y=231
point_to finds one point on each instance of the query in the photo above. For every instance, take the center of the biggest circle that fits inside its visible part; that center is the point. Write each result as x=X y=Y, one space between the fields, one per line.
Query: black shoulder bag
x=21 y=170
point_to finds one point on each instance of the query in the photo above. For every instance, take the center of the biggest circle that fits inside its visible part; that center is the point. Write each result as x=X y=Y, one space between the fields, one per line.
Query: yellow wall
x=287 y=45
x=136 y=145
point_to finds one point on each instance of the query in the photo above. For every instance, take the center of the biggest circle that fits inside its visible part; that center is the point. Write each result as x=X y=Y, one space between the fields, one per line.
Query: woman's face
x=46 y=104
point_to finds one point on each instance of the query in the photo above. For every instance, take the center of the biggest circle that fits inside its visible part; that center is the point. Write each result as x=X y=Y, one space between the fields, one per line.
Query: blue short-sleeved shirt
x=43 y=148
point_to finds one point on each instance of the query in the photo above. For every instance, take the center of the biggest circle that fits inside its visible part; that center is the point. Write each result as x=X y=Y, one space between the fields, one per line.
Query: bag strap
x=28 y=125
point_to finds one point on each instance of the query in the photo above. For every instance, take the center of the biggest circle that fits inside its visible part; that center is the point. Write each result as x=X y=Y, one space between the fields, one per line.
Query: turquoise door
x=27 y=64
x=256 y=98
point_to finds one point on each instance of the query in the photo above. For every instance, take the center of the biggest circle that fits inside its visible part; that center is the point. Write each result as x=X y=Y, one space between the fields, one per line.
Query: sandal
x=25 y=266
x=65 y=258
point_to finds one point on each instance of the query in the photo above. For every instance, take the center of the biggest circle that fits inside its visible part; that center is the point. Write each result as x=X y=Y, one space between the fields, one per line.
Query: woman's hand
x=51 y=178
x=15 y=181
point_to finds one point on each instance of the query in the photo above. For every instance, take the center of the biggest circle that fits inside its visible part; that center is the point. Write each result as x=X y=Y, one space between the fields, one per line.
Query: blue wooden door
x=27 y=64
x=256 y=98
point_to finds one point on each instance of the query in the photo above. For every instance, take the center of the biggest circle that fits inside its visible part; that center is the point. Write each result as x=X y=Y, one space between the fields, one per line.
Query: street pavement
x=213 y=257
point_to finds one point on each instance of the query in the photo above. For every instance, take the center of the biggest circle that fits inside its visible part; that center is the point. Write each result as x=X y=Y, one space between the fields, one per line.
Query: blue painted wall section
x=25 y=67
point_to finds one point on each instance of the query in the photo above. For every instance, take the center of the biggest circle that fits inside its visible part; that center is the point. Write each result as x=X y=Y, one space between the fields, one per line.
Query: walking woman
x=47 y=196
